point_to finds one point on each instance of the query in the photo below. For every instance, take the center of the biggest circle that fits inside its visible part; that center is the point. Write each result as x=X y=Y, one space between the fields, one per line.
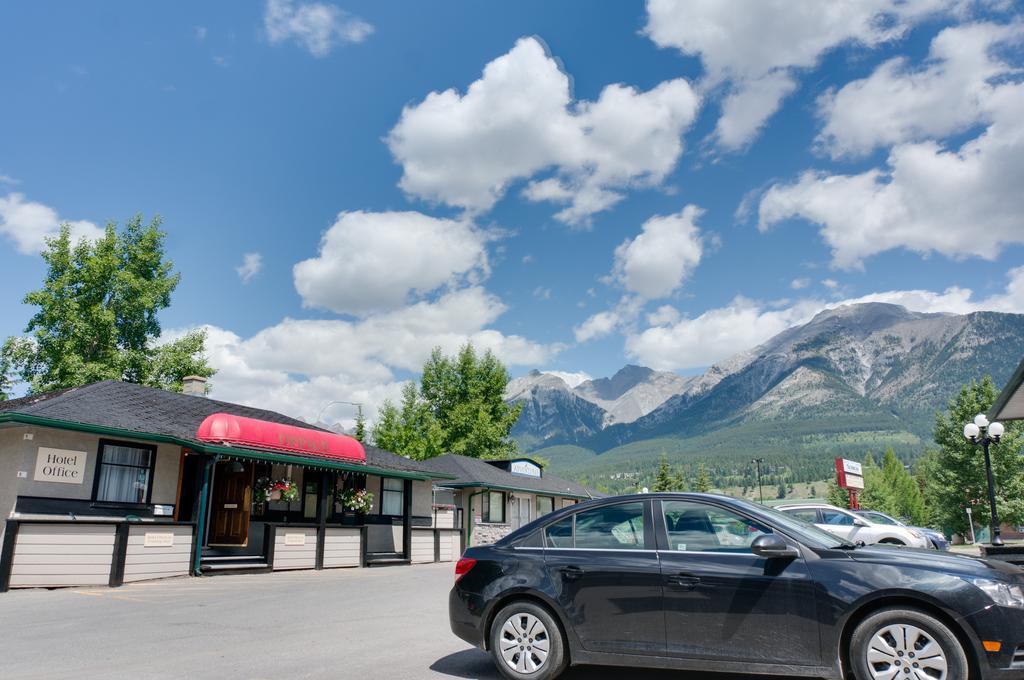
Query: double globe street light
x=982 y=433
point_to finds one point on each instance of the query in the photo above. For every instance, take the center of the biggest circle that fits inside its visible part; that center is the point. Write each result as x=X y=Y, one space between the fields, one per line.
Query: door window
x=836 y=518
x=559 y=534
x=695 y=527
x=809 y=515
x=613 y=527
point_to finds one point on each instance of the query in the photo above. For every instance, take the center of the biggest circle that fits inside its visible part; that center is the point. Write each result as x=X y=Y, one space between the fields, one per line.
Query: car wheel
x=527 y=643
x=906 y=643
x=891 y=541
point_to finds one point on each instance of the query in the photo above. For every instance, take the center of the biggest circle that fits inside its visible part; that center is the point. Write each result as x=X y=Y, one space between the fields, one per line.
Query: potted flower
x=354 y=502
x=269 y=490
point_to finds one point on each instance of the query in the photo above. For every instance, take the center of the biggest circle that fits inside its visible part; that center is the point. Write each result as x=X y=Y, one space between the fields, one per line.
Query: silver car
x=846 y=524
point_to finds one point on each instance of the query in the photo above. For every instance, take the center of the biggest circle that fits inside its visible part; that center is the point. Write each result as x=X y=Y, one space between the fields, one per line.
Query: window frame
x=98 y=469
x=400 y=492
x=486 y=517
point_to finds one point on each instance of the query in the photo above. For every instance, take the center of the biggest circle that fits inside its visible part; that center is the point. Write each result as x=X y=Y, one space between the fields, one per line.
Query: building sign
x=849 y=474
x=295 y=538
x=60 y=465
x=525 y=468
x=158 y=539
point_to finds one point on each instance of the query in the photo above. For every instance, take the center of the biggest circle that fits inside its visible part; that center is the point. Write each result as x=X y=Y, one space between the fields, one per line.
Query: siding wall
x=450 y=542
x=142 y=562
x=422 y=546
x=294 y=556
x=341 y=547
x=63 y=555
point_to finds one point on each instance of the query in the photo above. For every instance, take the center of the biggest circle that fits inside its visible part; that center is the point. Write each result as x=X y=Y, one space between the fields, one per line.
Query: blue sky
x=538 y=208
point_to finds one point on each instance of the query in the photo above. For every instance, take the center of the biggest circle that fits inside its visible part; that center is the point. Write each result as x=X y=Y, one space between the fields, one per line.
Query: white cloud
x=722 y=332
x=754 y=49
x=318 y=27
x=961 y=203
x=200 y=33
x=799 y=284
x=899 y=103
x=374 y=261
x=659 y=259
x=252 y=264
x=609 y=321
x=29 y=224
x=7 y=179
x=542 y=293
x=296 y=366
x=519 y=119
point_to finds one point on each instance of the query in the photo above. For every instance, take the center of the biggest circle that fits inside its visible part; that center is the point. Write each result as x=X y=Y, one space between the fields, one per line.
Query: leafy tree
x=781 y=491
x=465 y=394
x=411 y=431
x=813 y=491
x=955 y=476
x=703 y=483
x=97 y=316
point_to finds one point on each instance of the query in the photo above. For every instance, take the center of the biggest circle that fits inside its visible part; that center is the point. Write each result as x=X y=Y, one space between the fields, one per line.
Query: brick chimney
x=194 y=385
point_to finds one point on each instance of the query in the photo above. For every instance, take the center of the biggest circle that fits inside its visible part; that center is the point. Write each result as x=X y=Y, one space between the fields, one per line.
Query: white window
x=392 y=499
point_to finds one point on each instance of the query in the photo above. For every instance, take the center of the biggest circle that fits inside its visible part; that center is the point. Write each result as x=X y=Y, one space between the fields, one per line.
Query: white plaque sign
x=159 y=539
x=294 y=538
x=60 y=465
x=525 y=468
x=852 y=467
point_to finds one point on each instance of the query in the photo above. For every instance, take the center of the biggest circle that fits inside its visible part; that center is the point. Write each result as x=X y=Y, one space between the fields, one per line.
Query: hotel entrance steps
x=234 y=564
x=386 y=560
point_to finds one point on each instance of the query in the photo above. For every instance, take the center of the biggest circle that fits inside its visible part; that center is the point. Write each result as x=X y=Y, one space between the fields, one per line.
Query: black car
x=705 y=582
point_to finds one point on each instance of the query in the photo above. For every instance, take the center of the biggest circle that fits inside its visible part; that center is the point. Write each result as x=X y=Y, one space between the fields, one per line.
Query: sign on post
x=850 y=476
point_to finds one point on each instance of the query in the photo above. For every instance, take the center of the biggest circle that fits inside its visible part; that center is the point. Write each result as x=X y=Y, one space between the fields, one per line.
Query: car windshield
x=805 y=532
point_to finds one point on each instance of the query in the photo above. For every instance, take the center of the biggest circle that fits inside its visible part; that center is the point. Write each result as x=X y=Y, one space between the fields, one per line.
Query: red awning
x=224 y=428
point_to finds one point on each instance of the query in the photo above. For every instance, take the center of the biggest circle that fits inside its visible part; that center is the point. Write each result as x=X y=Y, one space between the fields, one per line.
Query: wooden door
x=230 y=503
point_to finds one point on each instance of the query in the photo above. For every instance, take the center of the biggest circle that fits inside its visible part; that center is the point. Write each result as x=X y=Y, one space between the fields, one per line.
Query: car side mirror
x=861 y=523
x=772 y=546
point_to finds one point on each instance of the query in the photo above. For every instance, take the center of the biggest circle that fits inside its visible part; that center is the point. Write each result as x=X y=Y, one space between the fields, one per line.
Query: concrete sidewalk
x=388 y=624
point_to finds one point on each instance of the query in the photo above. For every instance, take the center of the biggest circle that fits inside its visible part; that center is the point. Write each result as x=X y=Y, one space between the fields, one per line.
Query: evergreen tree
x=781 y=491
x=837 y=496
x=955 y=477
x=97 y=316
x=814 y=491
x=664 y=480
x=703 y=483
x=360 y=431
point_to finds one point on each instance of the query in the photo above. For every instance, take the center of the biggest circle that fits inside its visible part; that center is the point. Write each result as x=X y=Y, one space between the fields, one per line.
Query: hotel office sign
x=60 y=465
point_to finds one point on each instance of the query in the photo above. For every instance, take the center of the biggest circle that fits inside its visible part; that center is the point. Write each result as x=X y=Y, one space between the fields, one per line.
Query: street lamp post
x=760 y=489
x=982 y=433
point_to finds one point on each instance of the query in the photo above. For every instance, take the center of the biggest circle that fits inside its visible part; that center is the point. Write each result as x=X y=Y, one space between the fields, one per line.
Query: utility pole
x=760 y=489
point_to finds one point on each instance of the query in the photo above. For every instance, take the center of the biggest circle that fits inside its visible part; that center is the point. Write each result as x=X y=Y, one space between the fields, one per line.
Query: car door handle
x=571 y=573
x=684 y=581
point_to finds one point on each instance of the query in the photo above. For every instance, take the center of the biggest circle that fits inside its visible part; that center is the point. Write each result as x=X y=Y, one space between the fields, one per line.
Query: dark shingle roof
x=477 y=472
x=148 y=410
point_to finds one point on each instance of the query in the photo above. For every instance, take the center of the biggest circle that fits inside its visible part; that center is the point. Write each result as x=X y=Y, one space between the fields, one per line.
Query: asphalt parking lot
x=359 y=623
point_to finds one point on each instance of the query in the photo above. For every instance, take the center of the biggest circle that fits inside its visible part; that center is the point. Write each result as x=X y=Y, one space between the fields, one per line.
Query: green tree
x=837 y=496
x=411 y=431
x=955 y=475
x=780 y=492
x=360 y=431
x=97 y=316
x=703 y=483
x=666 y=480
x=465 y=394
x=813 y=491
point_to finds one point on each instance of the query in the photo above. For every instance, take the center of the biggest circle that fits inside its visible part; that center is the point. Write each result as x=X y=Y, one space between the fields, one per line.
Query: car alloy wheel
x=903 y=649
x=906 y=643
x=525 y=643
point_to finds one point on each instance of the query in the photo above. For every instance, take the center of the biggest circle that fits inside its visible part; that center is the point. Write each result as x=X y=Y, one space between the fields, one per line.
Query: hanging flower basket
x=355 y=500
x=270 y=490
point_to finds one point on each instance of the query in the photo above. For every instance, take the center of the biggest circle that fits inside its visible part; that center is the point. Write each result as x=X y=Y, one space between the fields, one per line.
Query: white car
x=853 y=528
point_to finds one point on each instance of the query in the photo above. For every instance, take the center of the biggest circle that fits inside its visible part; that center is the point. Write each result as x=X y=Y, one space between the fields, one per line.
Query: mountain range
x=853 y=379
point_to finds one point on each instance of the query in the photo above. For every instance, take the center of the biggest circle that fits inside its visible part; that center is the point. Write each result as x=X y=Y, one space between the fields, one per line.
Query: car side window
x=836 y=518
x=809 y=515
x=559 y=534
x=612 y=527
x=695 y=527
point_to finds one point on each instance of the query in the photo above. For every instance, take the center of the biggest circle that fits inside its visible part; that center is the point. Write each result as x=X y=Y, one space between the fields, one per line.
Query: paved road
x=368 y=624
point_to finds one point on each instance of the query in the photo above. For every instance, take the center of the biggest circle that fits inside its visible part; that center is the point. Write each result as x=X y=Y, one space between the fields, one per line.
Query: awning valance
x=232 y=430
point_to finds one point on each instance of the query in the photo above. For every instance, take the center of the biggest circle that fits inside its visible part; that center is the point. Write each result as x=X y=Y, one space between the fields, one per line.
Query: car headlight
x=1003 y=594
